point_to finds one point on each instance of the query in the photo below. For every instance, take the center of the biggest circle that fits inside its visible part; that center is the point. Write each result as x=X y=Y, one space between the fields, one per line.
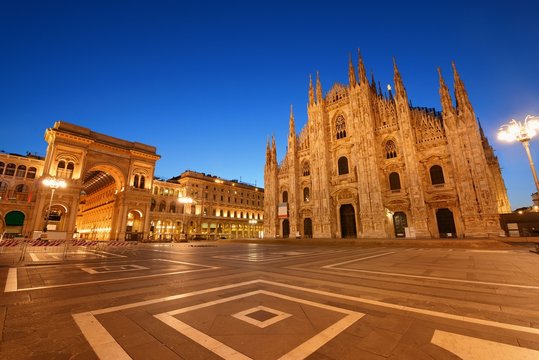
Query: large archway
x=135 y=226
x=97 y=203
x=14 y=221
x=348 y=221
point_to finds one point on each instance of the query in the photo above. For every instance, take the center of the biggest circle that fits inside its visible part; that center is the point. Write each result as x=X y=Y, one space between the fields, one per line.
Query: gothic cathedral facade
x=370 y=165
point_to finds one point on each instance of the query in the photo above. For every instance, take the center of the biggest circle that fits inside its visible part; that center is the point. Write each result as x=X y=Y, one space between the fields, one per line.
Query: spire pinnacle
x=361 y=69
x=445 y=98
x=319 y=95
x=273 y=149
x=292 y=125
x=311 y=91
x=400 y=91
x=351 y=73
x=461 y=96
x=268 y=152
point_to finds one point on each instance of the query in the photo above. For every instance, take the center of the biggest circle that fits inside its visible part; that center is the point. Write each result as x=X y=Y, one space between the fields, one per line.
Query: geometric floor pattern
x=232 y=301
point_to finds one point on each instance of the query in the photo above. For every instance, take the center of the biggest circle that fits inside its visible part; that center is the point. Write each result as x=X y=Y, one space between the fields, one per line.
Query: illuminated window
x=61 y=168
x=31 y=174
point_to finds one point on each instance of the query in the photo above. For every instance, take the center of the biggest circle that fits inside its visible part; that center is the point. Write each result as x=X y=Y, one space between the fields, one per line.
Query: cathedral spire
x=373 y=82
x=461 y=96
x=400 y=91
x=311 y=91
x=268 y=152
x=273 y=150
x=445 y=98
x=361 y=69
x=292 y=126
x=351 y=73
x=319 y=95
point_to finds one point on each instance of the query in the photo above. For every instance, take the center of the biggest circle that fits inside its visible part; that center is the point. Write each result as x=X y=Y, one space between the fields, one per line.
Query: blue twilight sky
x=207 y=82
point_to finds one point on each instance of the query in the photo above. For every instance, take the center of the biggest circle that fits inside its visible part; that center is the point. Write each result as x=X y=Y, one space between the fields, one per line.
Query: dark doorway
x=348 y=221
x=286 y=228
x=446 y=223
x=308 y=228
x=400 y=223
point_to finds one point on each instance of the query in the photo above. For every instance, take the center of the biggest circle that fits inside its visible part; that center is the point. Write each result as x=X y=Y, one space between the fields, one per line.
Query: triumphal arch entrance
x=108 y=185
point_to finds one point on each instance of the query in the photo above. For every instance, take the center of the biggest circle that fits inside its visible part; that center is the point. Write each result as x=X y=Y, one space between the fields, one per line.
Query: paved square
x=306 y=301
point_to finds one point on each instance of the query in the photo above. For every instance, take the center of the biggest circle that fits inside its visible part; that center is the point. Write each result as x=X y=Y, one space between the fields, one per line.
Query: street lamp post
x=53 y=184
x=184 y=200
x=523 y=133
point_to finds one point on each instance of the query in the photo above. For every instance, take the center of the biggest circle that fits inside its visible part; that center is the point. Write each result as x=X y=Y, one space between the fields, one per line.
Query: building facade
x=371 y=165
x=110 y=193
x=203 y=206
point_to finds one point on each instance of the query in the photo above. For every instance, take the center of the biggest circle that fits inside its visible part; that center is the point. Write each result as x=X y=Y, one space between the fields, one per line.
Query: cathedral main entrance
x=446 y=223
x=400 y=223
x=308 y=228
x=286 y=228
x=348 y=221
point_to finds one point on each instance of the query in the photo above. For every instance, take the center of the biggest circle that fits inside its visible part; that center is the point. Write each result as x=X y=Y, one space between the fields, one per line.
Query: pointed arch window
x=152 y=205
x=285 y=196
x=342 y=165
x=340 y=127
x=390 y=149
x=2 y=166
x=21 y=171
x=394 y=181
x=135 y=181
x=436 y=175
x=172 y=207
x=306 y=169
